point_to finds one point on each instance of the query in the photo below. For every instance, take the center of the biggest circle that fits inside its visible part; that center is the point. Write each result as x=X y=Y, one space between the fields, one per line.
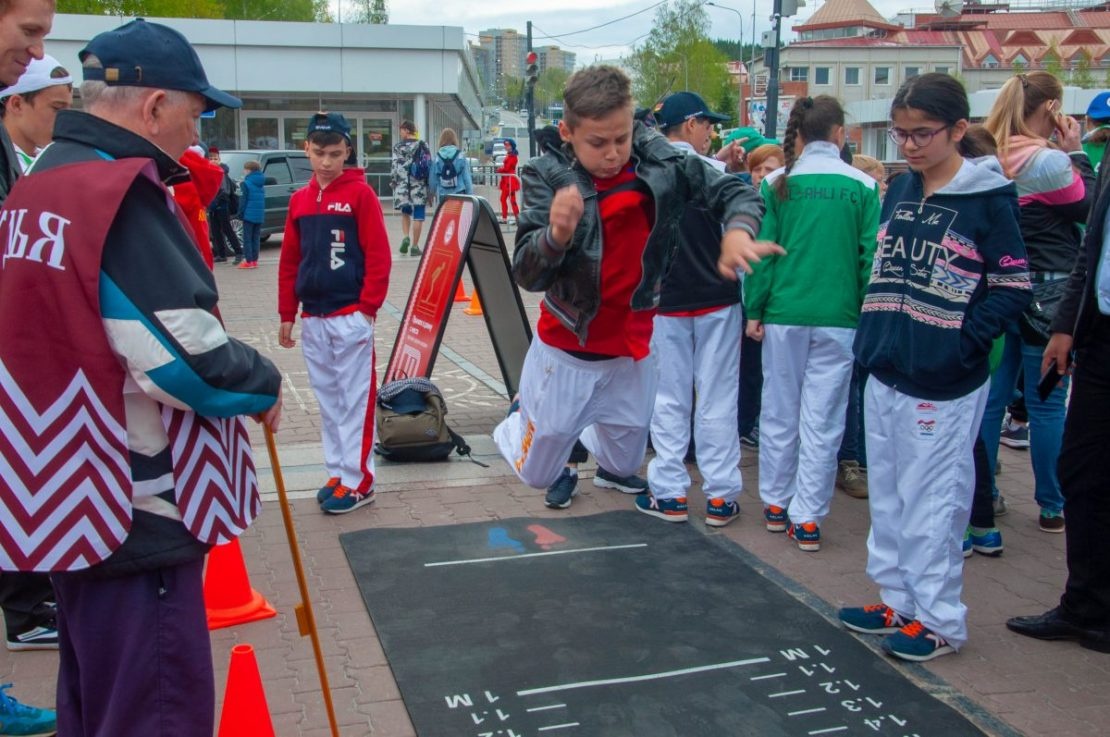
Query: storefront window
x=262 y=133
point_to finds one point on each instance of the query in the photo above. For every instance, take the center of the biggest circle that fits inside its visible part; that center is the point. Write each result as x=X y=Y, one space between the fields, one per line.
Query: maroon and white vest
x=65 y=478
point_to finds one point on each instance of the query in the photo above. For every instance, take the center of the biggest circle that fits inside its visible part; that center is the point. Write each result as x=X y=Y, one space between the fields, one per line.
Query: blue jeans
x=252 y=240
x=1046 y=419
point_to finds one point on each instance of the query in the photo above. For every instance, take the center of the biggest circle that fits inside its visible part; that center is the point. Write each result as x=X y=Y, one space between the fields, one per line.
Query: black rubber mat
x=617 y=625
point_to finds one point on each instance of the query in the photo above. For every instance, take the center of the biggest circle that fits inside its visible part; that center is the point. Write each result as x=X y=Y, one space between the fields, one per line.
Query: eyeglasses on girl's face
x=921 y=137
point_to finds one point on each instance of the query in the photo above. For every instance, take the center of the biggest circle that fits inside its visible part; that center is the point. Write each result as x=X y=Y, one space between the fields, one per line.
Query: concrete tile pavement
x=1011 y=685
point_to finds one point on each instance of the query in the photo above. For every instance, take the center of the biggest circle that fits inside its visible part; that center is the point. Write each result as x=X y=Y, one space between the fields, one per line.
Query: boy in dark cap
x=335 y=263
x=144 y=460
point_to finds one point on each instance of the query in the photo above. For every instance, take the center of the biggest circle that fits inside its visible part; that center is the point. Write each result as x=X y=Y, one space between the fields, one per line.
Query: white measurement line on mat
x=645 y=677
x=786 y=693
x=545 y=708
x=769 y=675
x=558 y=726
x=805 y=711
x=829 y=730
x=598 y=549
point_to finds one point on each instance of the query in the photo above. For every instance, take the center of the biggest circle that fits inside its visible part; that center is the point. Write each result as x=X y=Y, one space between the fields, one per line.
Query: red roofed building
x=847 y=49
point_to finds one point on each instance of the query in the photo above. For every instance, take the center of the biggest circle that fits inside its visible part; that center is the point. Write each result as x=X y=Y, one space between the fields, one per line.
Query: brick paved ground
x=1010 y=685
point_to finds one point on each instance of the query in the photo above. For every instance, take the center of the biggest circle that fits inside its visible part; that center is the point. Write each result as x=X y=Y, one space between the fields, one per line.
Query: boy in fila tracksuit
x=335 y=263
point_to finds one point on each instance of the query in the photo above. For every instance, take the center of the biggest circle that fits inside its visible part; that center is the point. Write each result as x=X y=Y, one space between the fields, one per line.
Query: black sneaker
x=39 y=638
x=238 y=260
x=563 y=490
x=631 y=484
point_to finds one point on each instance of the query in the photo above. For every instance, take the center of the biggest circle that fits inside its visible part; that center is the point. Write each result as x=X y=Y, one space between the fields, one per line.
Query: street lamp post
x=740 y=117
x=771 y=118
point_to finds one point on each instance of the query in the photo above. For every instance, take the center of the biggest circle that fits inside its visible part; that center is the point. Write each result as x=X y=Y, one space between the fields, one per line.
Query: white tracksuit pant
x=697 y=354
x=806 y=374
x=921 y=479
x=339 y=353
x=606 y=404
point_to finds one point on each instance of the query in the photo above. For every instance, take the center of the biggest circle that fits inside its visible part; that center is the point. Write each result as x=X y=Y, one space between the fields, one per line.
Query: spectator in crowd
x=1082 y=326
x=132 y=319
x=804 y=308
x=225 y=241
x=508 y=181
x=450 y=172
x=1098 y=128
x=410 y=166
x=252 y=211
x=196 y=194
x=27 y=599
x=31 y=104
x=926 y=351
x=1055 y=185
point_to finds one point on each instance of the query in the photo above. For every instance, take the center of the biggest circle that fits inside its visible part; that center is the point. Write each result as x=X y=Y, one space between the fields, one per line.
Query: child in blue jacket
x=252 y=211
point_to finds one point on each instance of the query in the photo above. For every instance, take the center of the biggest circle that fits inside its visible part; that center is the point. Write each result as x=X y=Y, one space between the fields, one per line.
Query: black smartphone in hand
x=1048 y=381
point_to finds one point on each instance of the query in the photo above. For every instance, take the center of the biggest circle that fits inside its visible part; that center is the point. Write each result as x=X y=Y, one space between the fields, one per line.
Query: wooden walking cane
x=306 y=621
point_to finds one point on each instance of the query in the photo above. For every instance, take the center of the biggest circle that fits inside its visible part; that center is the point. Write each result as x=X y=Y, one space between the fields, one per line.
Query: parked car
x=285 y=172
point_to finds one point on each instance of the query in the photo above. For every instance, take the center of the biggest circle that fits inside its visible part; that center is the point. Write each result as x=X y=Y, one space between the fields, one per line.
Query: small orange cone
x=475 y=307
x=460 y=293
x=228 y=596
x=245 y=711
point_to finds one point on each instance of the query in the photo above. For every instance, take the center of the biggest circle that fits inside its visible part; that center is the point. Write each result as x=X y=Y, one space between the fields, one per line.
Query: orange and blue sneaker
x=327 y=490
x=719 y=513
x=672 y=510
x=344 y=499
x=807 y=535
x=775 y=518
x=873 y=619
x=916 y=642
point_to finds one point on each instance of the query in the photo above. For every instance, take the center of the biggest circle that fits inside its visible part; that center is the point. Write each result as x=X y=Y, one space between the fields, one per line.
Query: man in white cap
x=30 y=105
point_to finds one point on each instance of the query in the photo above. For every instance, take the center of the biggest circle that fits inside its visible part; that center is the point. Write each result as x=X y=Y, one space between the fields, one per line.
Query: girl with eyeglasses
x=1055 y=185
x=949 y=272
x=804 y=306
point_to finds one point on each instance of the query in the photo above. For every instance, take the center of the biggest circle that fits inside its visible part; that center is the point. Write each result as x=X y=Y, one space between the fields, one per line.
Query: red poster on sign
x=433 y=291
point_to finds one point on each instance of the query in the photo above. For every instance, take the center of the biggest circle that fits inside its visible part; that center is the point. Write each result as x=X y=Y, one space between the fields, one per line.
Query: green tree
x=728 y=103
x=677 y=55
x=372 y=11
x=1082 y=76
x=1051 y=61
x=302 y=10
x=549 y=87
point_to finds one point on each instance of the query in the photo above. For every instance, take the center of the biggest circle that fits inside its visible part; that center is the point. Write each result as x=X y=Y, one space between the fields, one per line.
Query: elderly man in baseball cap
x=30 y=106
x=153 y=464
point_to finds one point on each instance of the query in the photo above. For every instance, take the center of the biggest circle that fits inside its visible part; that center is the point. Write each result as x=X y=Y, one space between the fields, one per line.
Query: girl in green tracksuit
x=804 y=306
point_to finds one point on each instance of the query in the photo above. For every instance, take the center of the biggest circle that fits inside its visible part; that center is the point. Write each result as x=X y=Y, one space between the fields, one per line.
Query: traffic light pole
x=771 y=117
x=530 y=102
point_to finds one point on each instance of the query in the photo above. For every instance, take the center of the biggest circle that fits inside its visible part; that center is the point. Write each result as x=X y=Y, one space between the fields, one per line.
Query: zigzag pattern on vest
x=217 y=487
x=66 y=494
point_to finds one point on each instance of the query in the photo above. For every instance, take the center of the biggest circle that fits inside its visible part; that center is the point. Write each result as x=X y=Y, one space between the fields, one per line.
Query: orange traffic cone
x=228 y=596
x=460 y=293
x=245 y=711
x=475 y=307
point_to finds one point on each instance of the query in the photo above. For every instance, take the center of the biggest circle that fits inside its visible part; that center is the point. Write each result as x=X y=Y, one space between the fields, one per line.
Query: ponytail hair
x=814 y=118
x=1018 y=99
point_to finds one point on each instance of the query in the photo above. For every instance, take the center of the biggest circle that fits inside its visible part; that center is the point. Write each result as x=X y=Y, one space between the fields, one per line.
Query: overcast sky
x=557 y=17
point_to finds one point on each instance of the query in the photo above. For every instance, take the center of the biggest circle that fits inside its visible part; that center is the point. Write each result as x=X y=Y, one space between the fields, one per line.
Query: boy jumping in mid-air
x=597 y=234
x=335 y=264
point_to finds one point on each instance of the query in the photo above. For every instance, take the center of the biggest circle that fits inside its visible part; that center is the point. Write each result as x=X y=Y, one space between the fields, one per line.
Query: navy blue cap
x=681 y=106
x=329 y=123
x=407 y=401
x=142 y=54
x=1099 y=109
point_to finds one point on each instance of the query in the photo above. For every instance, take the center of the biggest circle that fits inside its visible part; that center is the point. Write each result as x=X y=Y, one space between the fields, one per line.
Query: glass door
x=374 y=147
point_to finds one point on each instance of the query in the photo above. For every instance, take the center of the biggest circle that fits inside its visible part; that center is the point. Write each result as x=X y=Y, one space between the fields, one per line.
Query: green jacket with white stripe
x=827 y=227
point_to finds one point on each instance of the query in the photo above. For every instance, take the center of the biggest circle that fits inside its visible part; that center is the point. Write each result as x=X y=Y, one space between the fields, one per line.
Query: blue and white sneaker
x=345 y=499
x=966 y=544
x=631 y=484
x=719 y=513
x=873 y=619
x=985 y=540
x=563 y=490
x=672 y=510
x=327 y=490
x=20 y=720
x=916 y=642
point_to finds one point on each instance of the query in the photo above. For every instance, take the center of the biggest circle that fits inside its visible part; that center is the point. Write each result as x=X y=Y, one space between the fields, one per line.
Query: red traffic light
x=532 y=57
